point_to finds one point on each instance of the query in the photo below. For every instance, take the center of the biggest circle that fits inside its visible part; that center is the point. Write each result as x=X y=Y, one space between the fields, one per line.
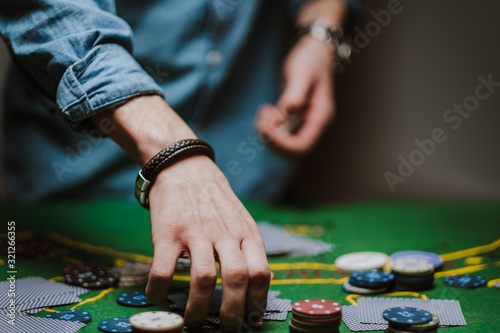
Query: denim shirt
x=214 y=62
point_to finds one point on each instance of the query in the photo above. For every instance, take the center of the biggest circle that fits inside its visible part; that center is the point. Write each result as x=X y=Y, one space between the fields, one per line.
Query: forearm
x=335 y=11
x=145 y=125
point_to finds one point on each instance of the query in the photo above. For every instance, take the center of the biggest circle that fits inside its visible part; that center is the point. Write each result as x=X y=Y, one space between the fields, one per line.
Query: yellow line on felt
x=95 y=298
x=351 y=298
x=70 y=260
x=302 y=265
x=97 y=249
x=88 y=300
x=309 y=281
x=463 y=270
x=492 y=282
x=56 y=278
x=187 y=278
x=284 y=266
x=2 y=262
x=472 y=251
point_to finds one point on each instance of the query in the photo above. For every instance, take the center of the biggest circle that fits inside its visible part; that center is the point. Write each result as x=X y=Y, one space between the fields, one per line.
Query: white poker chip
x=362 y=291
x=156 y=321
x=360 y=261
x=412 y=267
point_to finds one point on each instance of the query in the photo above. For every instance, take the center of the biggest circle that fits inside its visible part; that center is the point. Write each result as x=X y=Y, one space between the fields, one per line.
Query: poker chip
x=315 y=315
x=403 y=315
x=331 y=321
x=90 y=276
x=134 y=299
x=183 y=264
x=395 y=330
x=157 y=321
x=413 y=283
x=372 y=279
x=350 y=289
x=359 y=261
x=317 y=307
x=132 y=281
x=71 y=315
x=134 y=268
x=412 y=266
x=295 y=327
x=83 y=268
x=433 y=258
x=107 y=281
x=467 y=281
x=113 y=325
x=431 y=326
x=133 y=274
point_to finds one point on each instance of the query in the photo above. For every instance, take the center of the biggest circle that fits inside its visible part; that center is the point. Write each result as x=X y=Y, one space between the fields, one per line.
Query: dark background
x=396 y=90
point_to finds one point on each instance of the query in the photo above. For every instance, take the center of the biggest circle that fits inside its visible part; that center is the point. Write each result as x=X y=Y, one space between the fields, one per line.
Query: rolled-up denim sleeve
x=77 y=51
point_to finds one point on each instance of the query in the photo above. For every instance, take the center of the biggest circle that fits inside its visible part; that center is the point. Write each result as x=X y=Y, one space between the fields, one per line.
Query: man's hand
x=195 y=214
x=308 y=97
x=307 y=94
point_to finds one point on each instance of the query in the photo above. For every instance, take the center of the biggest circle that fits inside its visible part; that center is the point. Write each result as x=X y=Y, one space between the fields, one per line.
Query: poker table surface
x=466 y=234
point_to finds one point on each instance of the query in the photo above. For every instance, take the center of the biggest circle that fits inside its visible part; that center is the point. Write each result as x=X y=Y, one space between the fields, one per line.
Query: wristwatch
x=323 y=30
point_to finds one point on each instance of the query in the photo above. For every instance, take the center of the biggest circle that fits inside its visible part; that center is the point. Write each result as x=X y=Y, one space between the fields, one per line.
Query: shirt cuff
x=107 y=77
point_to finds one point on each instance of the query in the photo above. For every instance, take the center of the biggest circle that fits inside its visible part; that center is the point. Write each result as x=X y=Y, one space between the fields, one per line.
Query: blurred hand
x=195 y=214
x=307 y=93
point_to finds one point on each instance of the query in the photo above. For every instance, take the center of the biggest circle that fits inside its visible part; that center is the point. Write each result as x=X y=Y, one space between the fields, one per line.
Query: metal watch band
x=164 y=158
x=321 y=29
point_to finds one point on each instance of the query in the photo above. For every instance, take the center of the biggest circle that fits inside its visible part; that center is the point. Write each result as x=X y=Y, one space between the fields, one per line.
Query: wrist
x=166 y=157
x=323 y=31
x=144 y=126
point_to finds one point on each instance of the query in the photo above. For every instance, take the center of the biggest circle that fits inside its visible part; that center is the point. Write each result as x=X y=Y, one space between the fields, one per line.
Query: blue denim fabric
x=214 y=61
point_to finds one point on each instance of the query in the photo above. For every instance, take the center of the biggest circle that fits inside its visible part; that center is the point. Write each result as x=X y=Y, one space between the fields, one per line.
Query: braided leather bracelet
x=164 y=158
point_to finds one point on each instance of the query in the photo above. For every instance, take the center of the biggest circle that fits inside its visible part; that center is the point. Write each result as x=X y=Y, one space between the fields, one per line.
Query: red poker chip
x=317 y=307
x=330 y=321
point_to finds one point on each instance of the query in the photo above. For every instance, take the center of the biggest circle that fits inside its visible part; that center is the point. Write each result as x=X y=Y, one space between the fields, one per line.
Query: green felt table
x=106 y=231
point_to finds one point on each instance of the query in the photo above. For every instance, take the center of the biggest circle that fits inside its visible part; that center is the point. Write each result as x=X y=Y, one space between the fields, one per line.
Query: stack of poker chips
x=315 y=316
x=410 y=320
x=90 y=276
x=412 y=274
x=370 y=282
x=133 y=274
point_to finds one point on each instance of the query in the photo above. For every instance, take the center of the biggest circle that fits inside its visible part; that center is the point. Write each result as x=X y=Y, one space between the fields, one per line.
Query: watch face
x=319 y=32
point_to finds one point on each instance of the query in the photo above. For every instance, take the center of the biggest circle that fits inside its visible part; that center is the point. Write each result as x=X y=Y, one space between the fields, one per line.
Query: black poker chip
x=403 y=315
x=135 y=299
x=118 y=324
x=414 y=283
x=467 y=281
x=71 y=315
x=107 y=281
x=84 y=267
x=371 y=279
x=90 y=276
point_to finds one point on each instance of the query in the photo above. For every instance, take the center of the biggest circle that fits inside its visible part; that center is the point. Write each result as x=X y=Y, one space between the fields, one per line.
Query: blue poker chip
x=372 y=279
x=118 y=324
x=467 y=281
x=135 y=299
x=71 y=315
x=403 y=315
